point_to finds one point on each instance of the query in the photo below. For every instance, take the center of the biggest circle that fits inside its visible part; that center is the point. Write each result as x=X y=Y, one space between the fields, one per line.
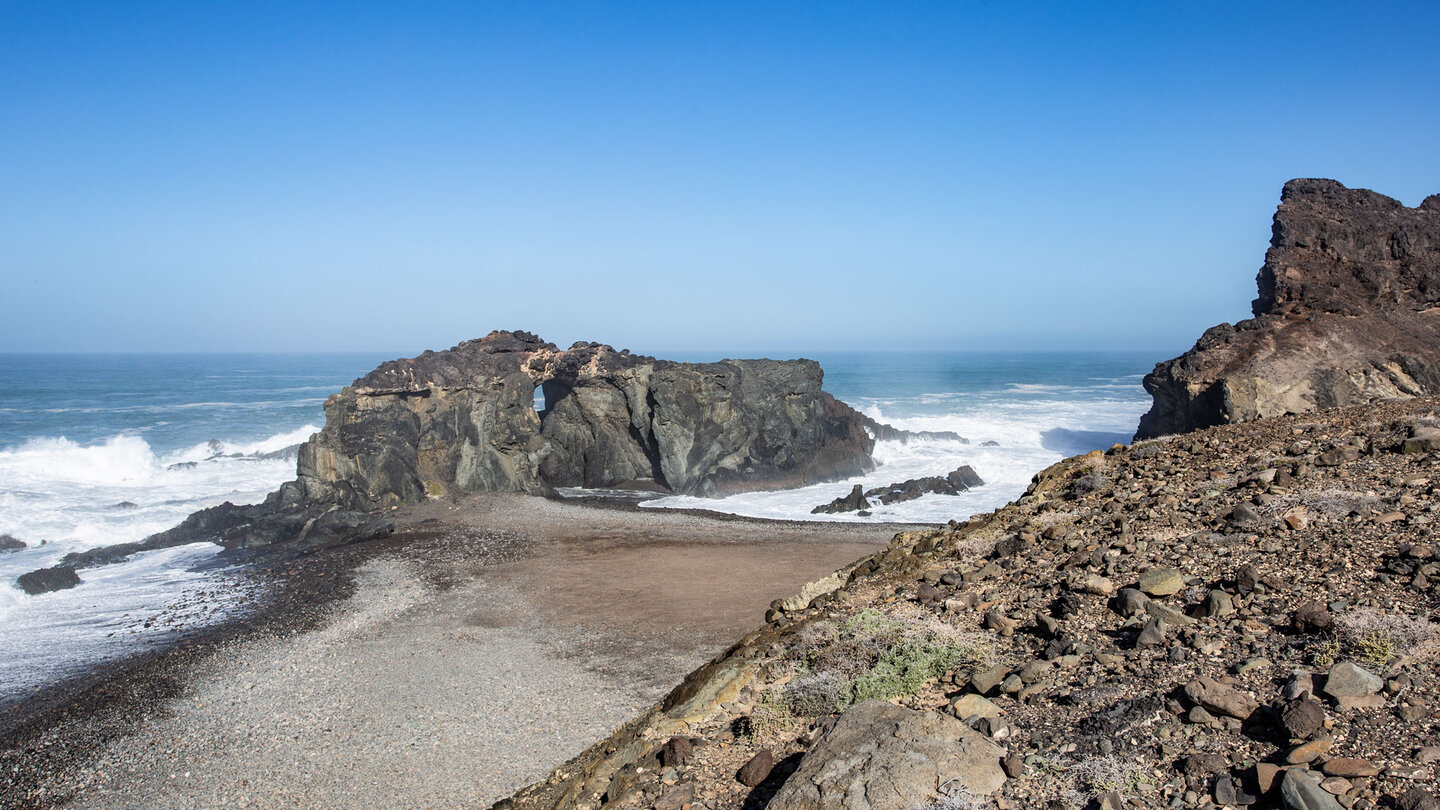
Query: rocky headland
x=1241 y=616
x=1348 y=312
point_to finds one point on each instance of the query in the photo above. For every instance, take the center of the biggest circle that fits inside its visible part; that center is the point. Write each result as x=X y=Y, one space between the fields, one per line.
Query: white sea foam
x=1028 y=435
x=75 y=497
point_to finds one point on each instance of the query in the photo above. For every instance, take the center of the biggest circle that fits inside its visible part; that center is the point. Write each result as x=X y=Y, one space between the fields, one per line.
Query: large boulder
x=464 y=420
x=1347 y=314
x=884 y=757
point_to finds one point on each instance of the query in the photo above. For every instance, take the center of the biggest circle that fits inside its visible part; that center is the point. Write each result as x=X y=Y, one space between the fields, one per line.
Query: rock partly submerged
x=1348 y=313
x=46 y=580
x=957 y=481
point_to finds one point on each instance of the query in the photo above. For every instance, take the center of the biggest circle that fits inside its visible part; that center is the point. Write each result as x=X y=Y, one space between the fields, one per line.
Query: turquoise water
x=104 y=449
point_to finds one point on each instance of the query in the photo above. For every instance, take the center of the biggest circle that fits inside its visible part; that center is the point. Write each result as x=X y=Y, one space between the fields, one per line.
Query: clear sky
x=199 y=176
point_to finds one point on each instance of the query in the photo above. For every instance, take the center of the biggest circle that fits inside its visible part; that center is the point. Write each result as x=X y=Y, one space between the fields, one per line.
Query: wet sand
x=487 y=642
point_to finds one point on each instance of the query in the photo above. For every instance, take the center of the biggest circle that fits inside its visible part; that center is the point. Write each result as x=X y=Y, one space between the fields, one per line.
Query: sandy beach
x=486 y=642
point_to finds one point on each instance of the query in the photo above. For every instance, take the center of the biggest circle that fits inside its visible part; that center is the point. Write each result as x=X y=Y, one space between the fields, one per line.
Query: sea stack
x=465 y=420
x=1348 y=313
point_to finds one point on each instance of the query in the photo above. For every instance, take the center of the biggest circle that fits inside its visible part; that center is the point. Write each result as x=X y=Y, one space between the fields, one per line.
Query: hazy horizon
x=852 y=176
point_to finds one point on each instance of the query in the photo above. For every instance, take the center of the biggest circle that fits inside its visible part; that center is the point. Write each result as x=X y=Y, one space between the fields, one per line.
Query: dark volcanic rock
x=464 y=420
x=855 y=500
x=955 y=483
x=1346 y=315
x=46 y=580
x=8 y=543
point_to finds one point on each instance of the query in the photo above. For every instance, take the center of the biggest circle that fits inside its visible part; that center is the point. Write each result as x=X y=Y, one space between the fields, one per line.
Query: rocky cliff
x=1348 y=312
x=465 y=420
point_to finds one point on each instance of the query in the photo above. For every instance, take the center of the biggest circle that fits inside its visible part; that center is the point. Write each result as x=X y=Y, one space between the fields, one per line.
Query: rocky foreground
x=1242 y=616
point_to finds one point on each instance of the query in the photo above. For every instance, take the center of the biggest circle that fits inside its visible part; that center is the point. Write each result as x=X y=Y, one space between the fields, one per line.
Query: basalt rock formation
x=464 y=420
x=1348 y=313
x=954 y=483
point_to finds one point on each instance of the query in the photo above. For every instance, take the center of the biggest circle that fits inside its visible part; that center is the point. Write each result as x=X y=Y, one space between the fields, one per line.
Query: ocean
x=110 y=448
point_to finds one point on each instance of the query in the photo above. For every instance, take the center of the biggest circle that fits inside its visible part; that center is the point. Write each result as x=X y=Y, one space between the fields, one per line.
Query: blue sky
x=734 y=176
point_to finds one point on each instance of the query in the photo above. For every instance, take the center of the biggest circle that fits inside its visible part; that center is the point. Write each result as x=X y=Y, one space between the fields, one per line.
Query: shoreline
x=543 y=565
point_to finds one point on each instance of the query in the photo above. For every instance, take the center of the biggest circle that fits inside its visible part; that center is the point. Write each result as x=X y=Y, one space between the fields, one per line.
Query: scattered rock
x=972 y=705
x=1350 y=767
x=1309 y=752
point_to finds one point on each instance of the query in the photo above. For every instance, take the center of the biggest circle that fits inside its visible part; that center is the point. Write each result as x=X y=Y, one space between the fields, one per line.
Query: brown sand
x=470 y=659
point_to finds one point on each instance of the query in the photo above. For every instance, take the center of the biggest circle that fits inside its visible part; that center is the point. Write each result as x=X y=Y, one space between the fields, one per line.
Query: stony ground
x=1179 y=623
x=488 y=641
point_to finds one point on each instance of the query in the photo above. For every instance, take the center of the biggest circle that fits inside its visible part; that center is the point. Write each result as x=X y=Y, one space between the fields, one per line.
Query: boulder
x=757 y=769
x=1348 y=679
x=45 y=580
x=1346 y=315
x=1421 y=440
x=8 y=543
x=1221 y=699
x=883 y=757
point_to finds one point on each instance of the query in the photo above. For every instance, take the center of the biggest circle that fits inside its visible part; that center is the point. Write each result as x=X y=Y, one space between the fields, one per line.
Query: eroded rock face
x=1348 y=313
x=464 y=419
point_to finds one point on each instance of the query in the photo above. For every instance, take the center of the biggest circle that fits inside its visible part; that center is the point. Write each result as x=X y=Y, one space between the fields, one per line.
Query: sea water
x=104 y=449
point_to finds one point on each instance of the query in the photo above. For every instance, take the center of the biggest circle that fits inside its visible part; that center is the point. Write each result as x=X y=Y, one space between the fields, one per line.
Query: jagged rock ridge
x=1347 y=314
x=464 y=420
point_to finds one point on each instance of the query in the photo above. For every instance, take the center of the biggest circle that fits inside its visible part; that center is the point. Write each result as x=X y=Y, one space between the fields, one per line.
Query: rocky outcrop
x=956 y=482
x=45 y=580
x=1348 y=313
x=252 y=526
x=465 y=420
x=9 y=543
